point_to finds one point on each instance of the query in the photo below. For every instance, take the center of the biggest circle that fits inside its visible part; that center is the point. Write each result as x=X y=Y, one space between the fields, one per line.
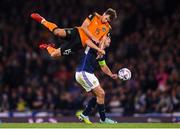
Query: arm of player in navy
x=106 y=69
x=105 y=41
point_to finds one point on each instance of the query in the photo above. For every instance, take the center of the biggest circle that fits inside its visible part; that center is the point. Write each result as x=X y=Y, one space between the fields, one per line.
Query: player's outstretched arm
x=51 y=26
x=106 y=70
x=92 y=45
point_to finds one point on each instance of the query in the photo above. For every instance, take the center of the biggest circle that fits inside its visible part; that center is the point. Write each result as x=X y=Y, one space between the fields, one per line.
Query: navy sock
x=90 y=106
x=101 y=108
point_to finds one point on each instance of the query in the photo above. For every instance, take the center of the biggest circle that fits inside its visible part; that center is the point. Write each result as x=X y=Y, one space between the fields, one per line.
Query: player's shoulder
x=92 y=15
x=97 y=14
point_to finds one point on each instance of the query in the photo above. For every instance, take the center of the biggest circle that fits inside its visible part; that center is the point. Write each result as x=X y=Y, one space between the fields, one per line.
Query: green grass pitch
x=82 y=125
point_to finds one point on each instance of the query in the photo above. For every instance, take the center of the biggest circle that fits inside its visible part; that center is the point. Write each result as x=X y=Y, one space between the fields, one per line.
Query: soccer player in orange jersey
x=90 y=33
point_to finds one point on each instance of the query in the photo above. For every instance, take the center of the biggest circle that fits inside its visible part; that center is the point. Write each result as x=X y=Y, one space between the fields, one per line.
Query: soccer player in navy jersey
x=86 y=78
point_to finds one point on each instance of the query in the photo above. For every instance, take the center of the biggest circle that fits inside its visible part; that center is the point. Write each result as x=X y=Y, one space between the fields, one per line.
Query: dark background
x=145 y=39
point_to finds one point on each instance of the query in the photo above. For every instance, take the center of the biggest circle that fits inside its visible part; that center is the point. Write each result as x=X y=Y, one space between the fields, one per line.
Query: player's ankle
x=43 y=20
x=83 y=114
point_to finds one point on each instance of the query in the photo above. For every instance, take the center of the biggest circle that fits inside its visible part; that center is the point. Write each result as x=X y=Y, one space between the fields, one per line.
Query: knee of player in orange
x=50 y=50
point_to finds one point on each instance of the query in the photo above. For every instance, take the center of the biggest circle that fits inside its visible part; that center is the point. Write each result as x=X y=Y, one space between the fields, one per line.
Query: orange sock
x=50 y=50
x=51 y=26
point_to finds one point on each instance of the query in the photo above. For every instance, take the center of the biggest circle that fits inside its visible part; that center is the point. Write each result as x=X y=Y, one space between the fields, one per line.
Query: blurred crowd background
x=145 y=39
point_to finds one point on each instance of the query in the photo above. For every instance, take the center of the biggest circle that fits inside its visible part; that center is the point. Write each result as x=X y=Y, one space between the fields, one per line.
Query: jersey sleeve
x=91 y=16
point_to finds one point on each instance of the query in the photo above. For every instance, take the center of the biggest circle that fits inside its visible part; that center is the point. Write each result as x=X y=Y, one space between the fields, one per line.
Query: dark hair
x=112 y=13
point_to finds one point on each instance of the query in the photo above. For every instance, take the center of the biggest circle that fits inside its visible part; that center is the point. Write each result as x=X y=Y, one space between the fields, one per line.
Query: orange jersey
x=96 y=28
x=83 y=36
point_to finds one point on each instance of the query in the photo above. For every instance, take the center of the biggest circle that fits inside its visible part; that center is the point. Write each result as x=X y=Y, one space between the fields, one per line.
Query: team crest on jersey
x=104 y=29
x=97 y=31
x=94 y=82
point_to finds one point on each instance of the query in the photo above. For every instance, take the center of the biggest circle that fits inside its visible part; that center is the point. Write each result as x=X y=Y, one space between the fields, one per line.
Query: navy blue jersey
x=88 y=62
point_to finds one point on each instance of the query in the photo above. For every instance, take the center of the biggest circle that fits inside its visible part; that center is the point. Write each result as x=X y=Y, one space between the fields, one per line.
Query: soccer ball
x=124 y=74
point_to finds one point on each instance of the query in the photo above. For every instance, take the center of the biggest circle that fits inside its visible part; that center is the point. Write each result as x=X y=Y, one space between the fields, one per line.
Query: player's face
x=107 y=42
x=105 y=18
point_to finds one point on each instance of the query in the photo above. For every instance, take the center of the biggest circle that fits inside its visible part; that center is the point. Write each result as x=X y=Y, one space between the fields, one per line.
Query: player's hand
x=37 y=17
x=101 y=52
x=44 y=45
x=99 y=56
x=114 y=76
x=95 y=40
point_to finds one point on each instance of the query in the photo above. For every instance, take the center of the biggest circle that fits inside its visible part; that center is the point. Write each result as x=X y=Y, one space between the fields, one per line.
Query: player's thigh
x=87 y=80
x=73 y=42
x=69 y=33
x=81 y=81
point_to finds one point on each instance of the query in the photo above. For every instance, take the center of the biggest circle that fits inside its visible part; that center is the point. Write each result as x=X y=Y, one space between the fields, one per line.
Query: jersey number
x=67 y=52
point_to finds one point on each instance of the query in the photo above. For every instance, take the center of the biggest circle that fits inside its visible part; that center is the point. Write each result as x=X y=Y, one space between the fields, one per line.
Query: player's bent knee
x=100 y=99
x=60 y=32
x=101 y=94
x=53 y=55
x=56 y=53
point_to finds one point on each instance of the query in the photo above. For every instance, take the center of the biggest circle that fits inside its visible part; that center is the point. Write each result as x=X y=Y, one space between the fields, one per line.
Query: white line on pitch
x=89 y=128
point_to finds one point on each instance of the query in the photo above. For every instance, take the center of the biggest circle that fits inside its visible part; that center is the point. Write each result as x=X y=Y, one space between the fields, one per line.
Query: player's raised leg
x=63 y=33
x=51 y=26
